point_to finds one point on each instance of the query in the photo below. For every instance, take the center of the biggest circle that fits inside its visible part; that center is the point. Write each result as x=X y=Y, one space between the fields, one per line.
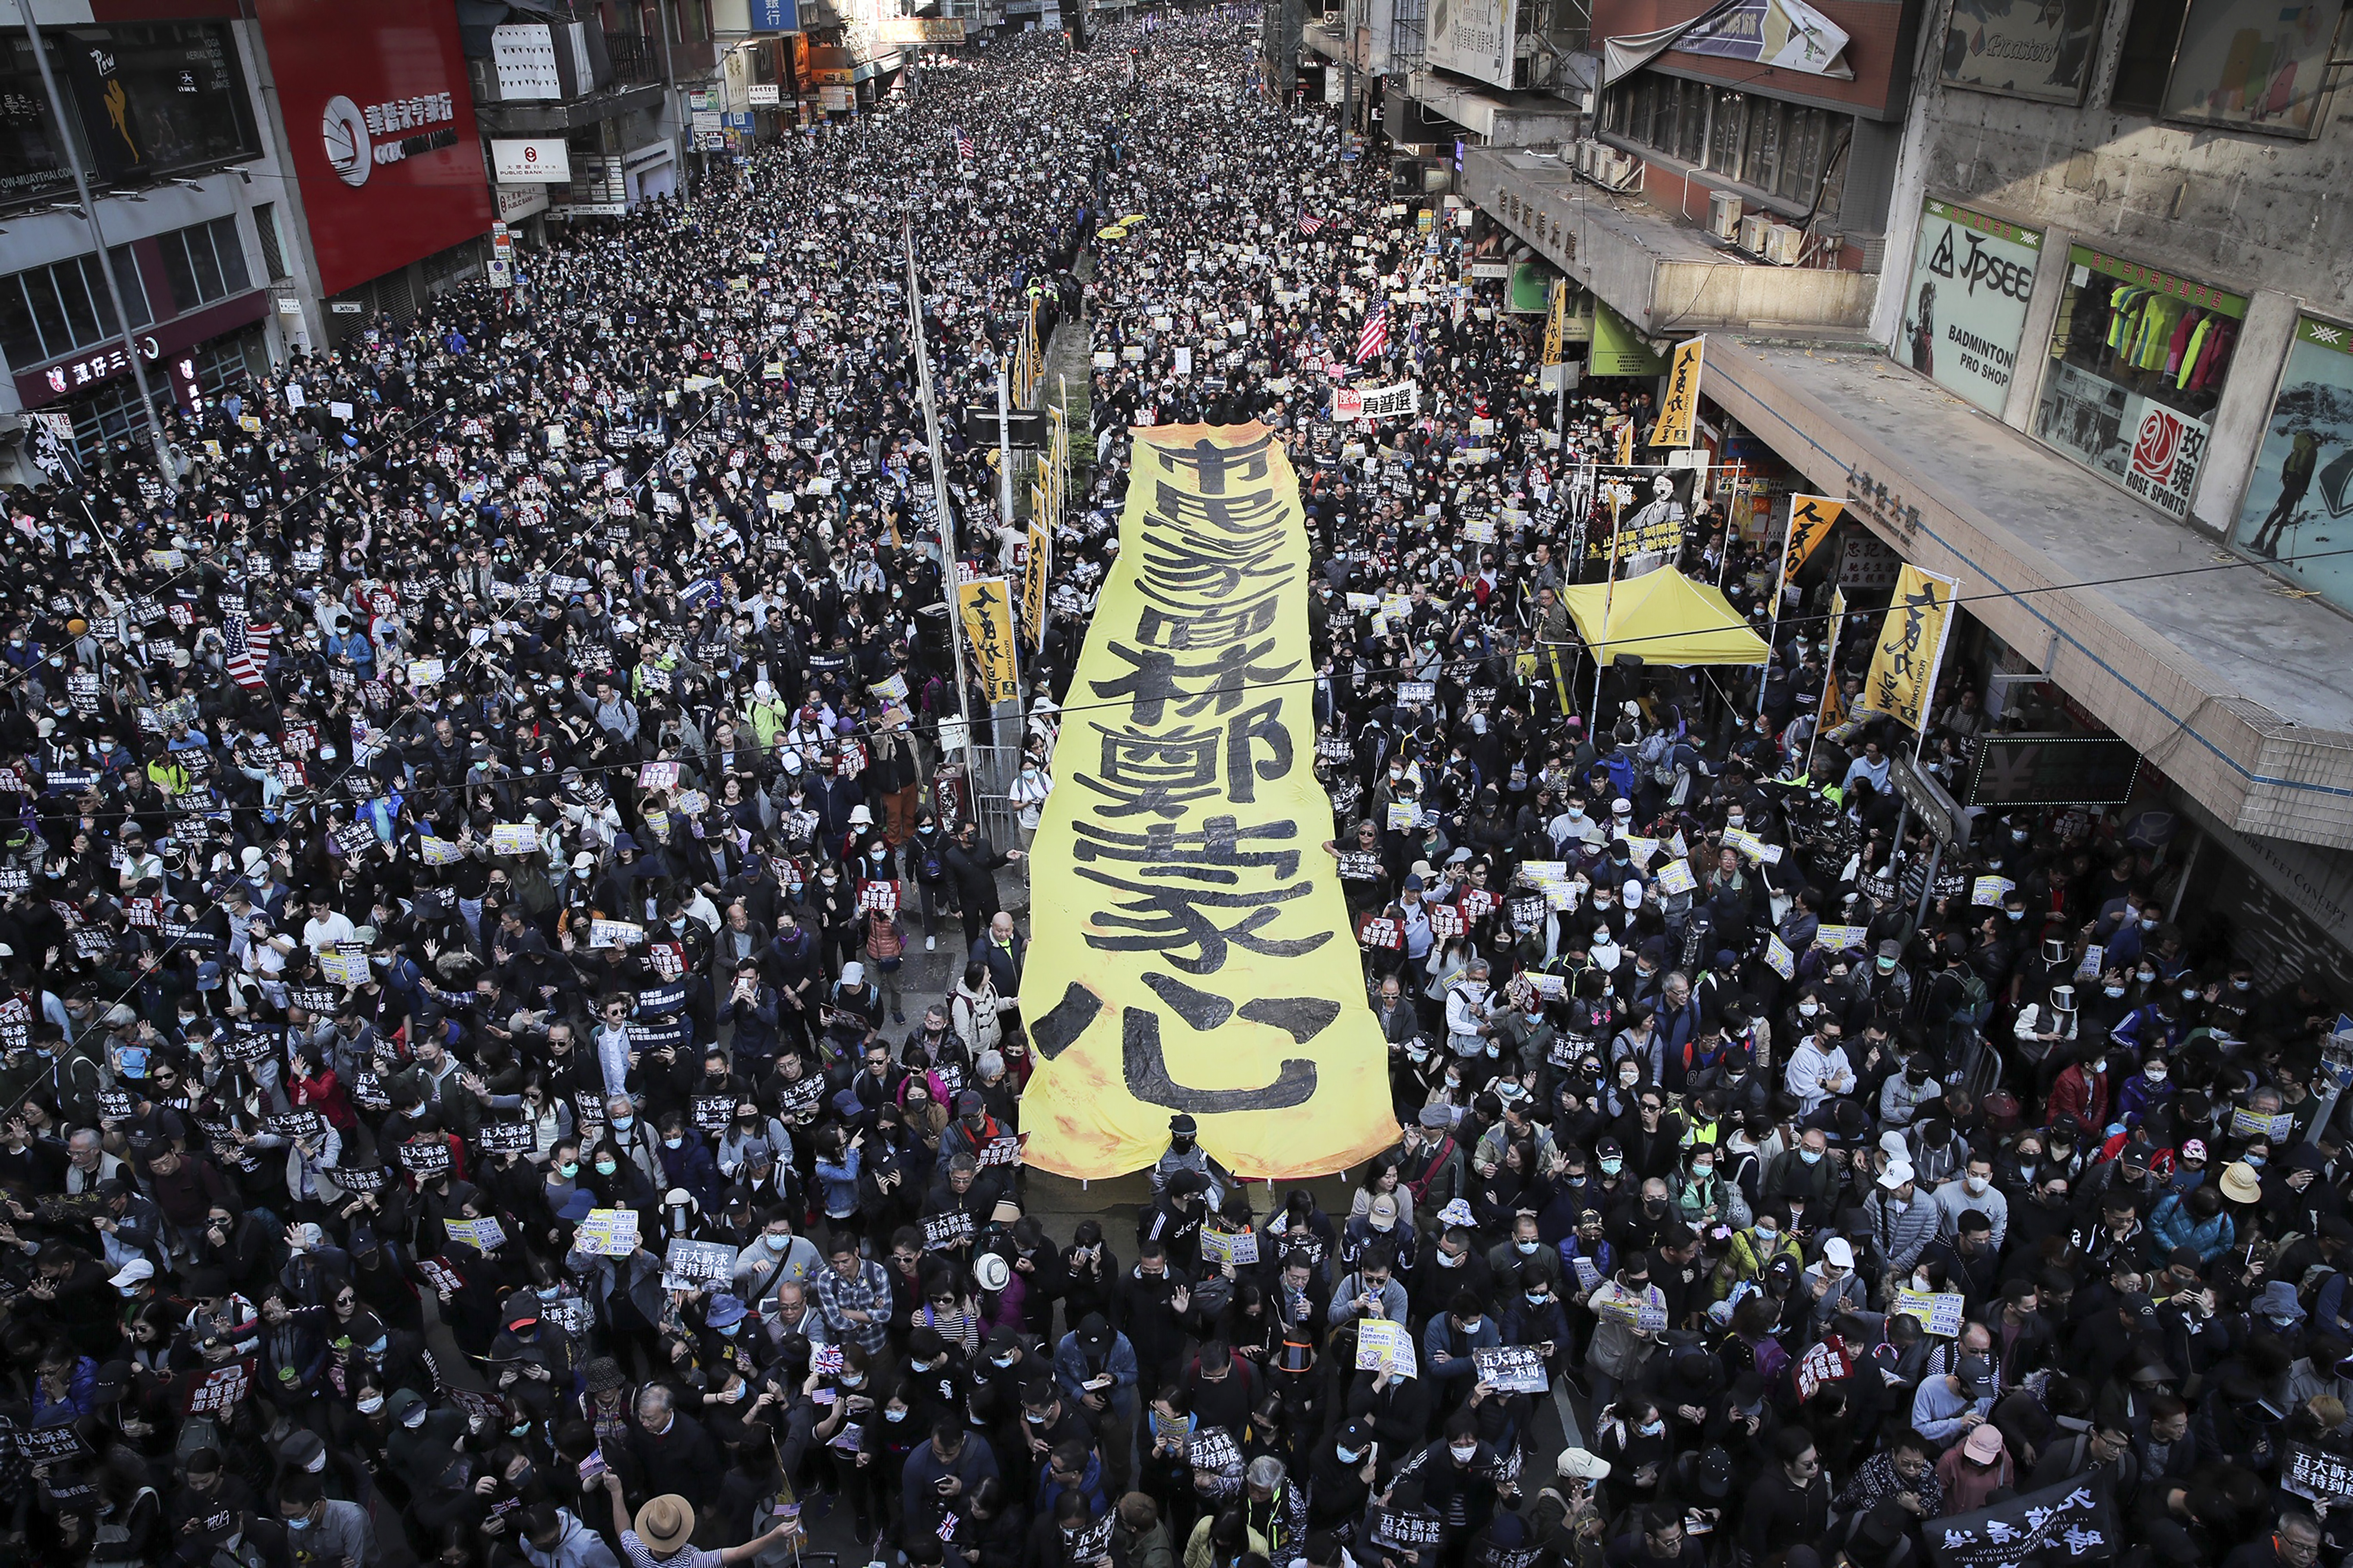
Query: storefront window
x=2301 y=485
x=1965 y=309
x=204 y=262
x=48 y=313
x=2138 y=359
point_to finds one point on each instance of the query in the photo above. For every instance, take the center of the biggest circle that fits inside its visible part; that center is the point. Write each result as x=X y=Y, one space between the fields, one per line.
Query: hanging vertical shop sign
x=1964 y=311
x=2302 y=486
x=1200 y=961
x=2138 y=358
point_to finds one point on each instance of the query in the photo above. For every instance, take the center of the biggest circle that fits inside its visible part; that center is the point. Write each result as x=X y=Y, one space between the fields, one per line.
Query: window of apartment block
x=204 y=262
x=48 y=313
x=2150 y=35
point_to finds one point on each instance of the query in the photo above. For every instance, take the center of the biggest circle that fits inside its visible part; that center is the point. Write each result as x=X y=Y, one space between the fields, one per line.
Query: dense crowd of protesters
x=471 y=832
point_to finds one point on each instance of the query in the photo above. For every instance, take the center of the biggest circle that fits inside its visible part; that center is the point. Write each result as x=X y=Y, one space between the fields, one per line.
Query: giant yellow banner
x=987 y=612
x=1197 y=956
x=1911 y=642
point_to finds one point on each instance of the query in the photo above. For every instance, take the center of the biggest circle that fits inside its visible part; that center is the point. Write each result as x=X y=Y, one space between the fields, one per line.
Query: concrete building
x=187 y=202
x=2067 y=323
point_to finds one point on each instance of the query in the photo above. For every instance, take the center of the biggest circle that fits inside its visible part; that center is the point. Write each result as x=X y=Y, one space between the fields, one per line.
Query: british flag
x=1375 y=336
x=248 y=649
x=1309 y=222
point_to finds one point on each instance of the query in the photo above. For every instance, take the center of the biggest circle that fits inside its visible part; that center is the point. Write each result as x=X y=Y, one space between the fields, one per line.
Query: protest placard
x=1513 y=1369
x=697 y=1264
x=607 y=1233
x=1385 y=1346
x=1239 y=1247
x=481 y=1234
x=1940 y=1311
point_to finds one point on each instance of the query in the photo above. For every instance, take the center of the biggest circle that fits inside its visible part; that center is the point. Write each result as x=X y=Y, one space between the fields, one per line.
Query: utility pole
x=98 y=237
x=1004 y=447
x=939 y=503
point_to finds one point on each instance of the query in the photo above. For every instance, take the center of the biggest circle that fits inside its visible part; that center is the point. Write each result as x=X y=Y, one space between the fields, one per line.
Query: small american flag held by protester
x=1375 y=337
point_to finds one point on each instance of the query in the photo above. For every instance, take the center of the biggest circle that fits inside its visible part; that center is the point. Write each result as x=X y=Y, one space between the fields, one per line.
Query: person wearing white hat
x=1901 y=1223
x=1831 y=1286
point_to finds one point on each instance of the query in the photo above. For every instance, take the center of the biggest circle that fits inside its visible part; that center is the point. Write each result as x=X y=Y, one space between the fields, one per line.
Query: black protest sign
x=358 y=1178
x=50 y=1445
x=691 y=1265
x=1513 y=1369
x=944 y=1230
x=427 y=1154
x=713 y=1112
x=504 y=1138
x=2073 y=1517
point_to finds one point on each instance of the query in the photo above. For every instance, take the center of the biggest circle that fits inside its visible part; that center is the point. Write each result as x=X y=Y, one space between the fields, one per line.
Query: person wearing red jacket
x=2080 y=1097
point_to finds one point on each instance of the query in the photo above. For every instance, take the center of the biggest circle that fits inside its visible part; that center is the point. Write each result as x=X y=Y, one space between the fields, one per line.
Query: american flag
x=1375 y=337
x=1309 y=222
x=247 y=647
x=963 y=145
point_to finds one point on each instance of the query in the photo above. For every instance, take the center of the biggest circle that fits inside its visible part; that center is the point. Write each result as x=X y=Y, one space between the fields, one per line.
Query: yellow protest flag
x=1626 y=442
x=1811 y=521
x=1556 y=325
x=1679 y=410
x=987 y=612
x=1199 y=957
x=1911 y=643
x=1033 y=583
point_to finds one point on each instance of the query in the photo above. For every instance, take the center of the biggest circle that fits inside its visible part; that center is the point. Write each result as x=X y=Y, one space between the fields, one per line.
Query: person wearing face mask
x=326 y=1530
x=2081 y=1095
x=1184 y=1153
x=2146 y=1091
x=1621 y=1345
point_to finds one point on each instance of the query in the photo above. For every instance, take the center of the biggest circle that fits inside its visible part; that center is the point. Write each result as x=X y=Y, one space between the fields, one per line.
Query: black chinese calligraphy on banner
x=1200 y=961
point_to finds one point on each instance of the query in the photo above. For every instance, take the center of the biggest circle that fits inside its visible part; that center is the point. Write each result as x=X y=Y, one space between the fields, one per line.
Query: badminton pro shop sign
x=380 y=124
x=1200 y=959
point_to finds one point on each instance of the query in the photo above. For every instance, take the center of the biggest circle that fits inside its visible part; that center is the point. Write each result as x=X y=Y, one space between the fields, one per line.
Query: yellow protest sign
x=1626 y=442
x=1811 y=521
x=1679 y=409
x=1033 y=584
x=1556 y=323
x=1200 y=958
x=987 y=612
x=1911 y=642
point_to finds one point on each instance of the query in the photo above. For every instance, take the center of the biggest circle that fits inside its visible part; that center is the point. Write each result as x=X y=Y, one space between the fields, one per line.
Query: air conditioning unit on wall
x=1724 y=215
x=1615 y=169
x=1782 y=244
x=1752 y=233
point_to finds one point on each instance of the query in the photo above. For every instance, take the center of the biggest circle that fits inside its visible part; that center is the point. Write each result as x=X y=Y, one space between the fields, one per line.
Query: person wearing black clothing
x=1789 y=1504
x=1150 y=1304
x=972 y=863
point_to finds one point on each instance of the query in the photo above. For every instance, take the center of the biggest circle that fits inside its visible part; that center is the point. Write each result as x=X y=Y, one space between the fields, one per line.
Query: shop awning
x=1667 y=618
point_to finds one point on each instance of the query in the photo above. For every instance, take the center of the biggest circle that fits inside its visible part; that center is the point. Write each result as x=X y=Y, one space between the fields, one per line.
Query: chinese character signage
x=988 y=611
x=2072 y=1521
x=1904 y=664
x=380 y=122
x=2138 y=358
x=1680 y=408
x=1811 y=519
x=1200 y=961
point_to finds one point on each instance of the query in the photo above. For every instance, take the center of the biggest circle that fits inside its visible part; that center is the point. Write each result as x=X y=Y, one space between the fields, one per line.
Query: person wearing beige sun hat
x=663 y=1534
x=2241 y=1185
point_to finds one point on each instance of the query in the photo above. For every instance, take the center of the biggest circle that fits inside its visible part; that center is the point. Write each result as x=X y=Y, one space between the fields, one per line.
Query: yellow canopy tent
x=1666 y=617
